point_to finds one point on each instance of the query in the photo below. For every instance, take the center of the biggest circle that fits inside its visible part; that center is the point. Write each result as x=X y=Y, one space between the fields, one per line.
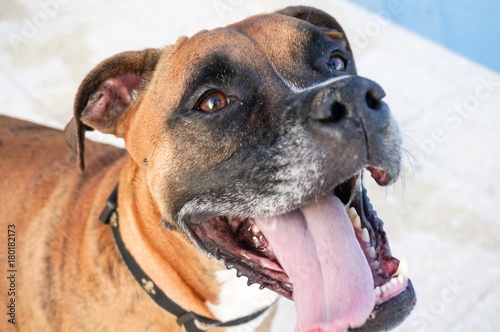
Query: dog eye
x=337 y=62
x=213 y=102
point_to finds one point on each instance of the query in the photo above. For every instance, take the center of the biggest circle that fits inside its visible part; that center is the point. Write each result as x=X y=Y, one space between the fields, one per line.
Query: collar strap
x=190 y=321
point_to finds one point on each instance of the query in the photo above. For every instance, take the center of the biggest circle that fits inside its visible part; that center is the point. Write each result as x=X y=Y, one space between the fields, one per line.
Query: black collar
x=189 y=320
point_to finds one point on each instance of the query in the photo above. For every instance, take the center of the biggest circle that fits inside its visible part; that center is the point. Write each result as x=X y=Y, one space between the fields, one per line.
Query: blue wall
x=468 y=27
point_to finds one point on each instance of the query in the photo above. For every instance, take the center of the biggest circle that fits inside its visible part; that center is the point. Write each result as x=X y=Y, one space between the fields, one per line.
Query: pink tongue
x=317 y=248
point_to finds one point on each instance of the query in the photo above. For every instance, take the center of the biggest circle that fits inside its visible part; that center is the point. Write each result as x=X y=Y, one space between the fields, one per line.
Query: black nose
x=348 y=102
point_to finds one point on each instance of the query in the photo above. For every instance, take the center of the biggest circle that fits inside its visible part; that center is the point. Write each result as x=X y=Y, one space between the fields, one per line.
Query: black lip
x=384 y=317
x=390 y=314
x=274 y=280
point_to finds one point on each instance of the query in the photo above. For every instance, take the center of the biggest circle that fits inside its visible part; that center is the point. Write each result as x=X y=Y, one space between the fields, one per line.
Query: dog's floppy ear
x=318 y=18
x=106 y=93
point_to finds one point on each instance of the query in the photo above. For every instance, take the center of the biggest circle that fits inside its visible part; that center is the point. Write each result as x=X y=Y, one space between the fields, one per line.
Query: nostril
x=372 y=101
x=337 y=113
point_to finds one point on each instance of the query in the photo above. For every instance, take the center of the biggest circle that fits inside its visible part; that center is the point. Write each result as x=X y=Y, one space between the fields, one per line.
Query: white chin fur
x=236 y=300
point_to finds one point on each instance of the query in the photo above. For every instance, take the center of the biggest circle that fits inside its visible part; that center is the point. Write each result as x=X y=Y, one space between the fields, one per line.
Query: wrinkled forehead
x=284 y=37
x=268 y=46
x=218 y=53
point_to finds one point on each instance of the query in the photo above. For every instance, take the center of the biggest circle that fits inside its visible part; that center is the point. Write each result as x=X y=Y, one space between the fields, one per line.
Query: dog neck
x=180 y=270
x=249 y=307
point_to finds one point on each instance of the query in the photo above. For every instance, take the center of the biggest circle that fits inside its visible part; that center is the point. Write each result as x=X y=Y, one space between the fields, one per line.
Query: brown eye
x=337 y=62
x=213 y=102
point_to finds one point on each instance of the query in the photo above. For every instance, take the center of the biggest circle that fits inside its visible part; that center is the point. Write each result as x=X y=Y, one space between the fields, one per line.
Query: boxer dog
x=245 y=148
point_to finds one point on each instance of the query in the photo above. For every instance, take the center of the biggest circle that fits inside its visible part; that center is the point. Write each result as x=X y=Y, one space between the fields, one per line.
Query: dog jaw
x=218 y=237
x=269 y=152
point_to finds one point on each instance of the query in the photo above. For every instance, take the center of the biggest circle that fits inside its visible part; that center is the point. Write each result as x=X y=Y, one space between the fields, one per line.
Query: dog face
x=253 y=139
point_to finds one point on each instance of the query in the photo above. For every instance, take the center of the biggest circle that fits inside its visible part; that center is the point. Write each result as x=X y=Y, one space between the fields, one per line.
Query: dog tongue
x=317 y=248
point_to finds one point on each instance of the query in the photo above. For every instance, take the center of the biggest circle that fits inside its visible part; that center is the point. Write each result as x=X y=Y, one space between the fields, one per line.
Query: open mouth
x=331 y=257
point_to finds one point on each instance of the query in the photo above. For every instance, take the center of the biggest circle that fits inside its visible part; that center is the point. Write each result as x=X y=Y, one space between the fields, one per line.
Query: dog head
x=253 y=139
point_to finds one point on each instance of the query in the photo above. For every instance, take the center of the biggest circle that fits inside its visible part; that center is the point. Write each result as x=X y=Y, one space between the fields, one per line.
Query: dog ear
x=106 y=93
x=318 y=18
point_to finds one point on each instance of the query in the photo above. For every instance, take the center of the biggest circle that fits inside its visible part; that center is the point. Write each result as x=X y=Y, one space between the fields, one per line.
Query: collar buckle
x=111 y=205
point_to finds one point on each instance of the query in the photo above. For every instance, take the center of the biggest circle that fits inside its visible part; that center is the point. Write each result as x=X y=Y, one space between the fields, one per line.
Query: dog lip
x=217 y=238
x=268 y=273
x=391 y=313
x=380 y=175
x=202 y=217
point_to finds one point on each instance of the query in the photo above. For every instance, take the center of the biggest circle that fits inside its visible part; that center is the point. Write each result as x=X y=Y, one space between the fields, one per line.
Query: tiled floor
x=443 y=217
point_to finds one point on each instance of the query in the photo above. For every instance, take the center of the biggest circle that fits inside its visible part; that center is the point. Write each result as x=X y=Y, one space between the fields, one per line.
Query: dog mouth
x=331 y=256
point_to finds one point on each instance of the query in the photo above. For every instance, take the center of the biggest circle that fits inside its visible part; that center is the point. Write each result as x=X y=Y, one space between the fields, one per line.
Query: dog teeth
x=353 y=215
x=255 y=229
x=390 y=288
x=364 y=235
x=356 y=222
x=402 y=268
x=371 y=252
x=351 y=212
x=375 y=265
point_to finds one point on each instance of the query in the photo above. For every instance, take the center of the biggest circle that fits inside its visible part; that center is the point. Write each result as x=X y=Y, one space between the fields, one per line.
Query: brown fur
x=70 y=275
